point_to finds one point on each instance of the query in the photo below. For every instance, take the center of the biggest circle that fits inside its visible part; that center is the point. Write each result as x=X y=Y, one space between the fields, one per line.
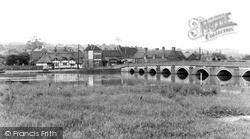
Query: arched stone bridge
x=192 y=67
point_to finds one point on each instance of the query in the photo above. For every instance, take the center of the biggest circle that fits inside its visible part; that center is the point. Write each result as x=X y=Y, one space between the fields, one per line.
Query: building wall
x=68 y=64
x=93 y=58
x=42 y=64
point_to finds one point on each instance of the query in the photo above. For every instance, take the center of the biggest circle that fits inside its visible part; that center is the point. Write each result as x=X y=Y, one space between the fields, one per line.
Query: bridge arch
x=152 y=71
x=141 y=71
x=246 y=74
x=202 y=71
x=166 y=71
x=182 y=70
x=131 y=70
x=224 y=72
x=224 y=75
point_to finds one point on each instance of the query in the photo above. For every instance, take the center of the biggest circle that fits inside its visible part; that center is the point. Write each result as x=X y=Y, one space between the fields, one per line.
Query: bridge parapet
x=211 y=68
x=197 y=63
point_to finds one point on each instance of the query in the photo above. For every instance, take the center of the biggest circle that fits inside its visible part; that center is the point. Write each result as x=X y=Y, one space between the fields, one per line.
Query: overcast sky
x=151 y=24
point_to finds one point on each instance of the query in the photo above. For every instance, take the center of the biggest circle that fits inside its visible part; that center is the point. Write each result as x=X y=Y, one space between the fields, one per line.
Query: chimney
x=146 y=49
x=173 y=48
x=163 y=48
x=199 y=50
x=157 y=49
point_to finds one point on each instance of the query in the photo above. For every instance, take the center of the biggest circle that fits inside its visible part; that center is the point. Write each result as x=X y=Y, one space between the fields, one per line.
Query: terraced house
x=158 y=55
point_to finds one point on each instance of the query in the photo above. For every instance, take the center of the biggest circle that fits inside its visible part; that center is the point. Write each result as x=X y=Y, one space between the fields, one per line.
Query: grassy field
x=162 y=111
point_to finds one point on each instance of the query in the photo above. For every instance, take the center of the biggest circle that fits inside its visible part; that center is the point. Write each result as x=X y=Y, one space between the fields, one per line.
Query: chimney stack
x=146 y=49
x=163 y=48
x=173 y=48
x=157 y=49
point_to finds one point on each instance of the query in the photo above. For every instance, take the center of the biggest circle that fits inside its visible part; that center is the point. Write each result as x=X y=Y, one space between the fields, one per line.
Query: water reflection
x=246 y=78
x=224 y=78
x=166 y=75
x=202 y=76
x=182 y=76
x=127 y=78
x=141 y=72
x=152 y=73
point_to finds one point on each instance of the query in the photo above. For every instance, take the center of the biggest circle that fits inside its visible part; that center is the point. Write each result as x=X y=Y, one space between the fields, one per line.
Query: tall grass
x=163 y=111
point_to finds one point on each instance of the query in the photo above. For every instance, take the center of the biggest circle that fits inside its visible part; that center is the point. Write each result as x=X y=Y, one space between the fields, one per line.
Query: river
x=226 y=84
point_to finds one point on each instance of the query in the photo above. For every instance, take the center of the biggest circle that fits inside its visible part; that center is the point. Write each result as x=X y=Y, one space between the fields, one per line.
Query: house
x=58 y=61
x=154 y=55
x=64 y=50
x=213 y=57
x=111 y=57
x=139 y=57
x=79 y=58
x=192 y=56
x=93 y=56
x=45 y=60
x=63 y=61
x=62 y=58
x=36 y=55
x=127 y=52
x=175 y=55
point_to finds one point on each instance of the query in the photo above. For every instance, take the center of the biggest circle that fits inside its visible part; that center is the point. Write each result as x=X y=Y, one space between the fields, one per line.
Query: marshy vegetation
x=154 y=111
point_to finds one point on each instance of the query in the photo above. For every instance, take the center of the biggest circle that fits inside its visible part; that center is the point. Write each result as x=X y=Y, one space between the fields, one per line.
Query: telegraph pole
x=78 y=57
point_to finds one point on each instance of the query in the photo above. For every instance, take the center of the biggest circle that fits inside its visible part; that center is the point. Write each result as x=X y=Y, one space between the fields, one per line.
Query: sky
x=145 y=23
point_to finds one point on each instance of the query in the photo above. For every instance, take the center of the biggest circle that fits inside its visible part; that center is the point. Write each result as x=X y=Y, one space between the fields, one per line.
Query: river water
x=226 y=84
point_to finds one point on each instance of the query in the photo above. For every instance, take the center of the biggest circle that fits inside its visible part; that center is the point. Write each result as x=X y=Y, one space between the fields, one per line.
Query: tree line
x=18 y=59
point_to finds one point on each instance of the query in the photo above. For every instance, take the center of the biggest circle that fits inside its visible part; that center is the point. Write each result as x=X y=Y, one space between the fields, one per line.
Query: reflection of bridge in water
x=234 y=84
x=188 y=79
x=241 y=69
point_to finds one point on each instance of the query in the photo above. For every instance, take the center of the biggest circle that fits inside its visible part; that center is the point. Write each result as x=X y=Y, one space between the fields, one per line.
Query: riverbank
x=162 y=111
x=90 y=71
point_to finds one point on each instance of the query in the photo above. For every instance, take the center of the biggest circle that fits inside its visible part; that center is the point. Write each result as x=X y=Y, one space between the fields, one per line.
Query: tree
x=2 y=60
x=23 y=58
x=246 y=57
x=11 y=60
x=34 y=43
x=20 y=59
